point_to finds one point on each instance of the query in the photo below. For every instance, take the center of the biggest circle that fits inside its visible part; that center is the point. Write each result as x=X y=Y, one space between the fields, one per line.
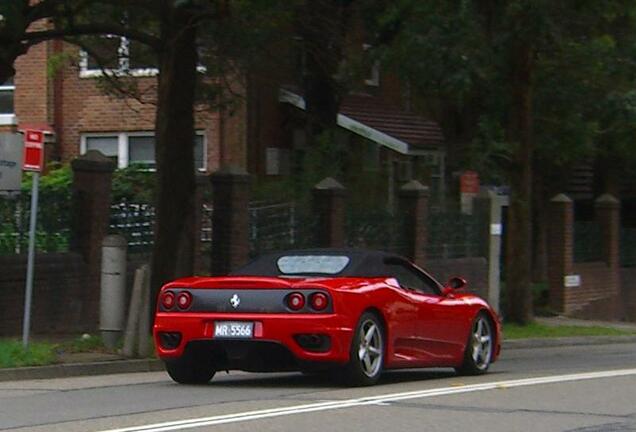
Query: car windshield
x=312 y=264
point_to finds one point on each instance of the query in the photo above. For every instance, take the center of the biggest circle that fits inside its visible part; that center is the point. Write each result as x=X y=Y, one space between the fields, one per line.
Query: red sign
x=469 y=182
x=33 y=150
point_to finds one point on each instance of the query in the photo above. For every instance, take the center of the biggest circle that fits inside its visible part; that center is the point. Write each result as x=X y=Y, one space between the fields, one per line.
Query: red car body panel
x=421 y=330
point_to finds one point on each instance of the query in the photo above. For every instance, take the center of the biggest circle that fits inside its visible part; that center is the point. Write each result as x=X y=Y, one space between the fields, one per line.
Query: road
x=580 y=388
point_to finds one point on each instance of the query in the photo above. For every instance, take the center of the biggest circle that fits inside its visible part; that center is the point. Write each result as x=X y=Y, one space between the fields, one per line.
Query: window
x=372 y=77
x=141 y=150
x=411 y=278
x=312 y=264
x=128 y=148
x=276 y=161
x=118 y=55
x=7 y=90
x=106 y=144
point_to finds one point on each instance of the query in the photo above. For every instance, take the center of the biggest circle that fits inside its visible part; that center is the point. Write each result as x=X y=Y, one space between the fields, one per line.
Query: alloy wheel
x=370 y=348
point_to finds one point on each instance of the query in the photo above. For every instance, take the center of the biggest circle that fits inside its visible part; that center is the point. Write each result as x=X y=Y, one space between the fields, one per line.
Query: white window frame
x=124 y=69
x=124 y=63
x=123 y=146
x=204 y=168
x=373 y=80
x=9 y=118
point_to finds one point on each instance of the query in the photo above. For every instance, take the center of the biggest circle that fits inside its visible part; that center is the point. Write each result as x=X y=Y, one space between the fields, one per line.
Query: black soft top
x=362 y=263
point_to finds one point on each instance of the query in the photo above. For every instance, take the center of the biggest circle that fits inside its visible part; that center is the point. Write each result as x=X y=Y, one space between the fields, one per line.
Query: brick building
x=77 y=115
x=262 y=133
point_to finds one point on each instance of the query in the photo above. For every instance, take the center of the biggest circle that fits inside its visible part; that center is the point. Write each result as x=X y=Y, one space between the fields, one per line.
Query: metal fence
x=54 y=217
x=374 y=229
x=273 y=226
x=452 y=234
x=135 y=222
x=587 y=241
x=276 y=226
x=628 y=247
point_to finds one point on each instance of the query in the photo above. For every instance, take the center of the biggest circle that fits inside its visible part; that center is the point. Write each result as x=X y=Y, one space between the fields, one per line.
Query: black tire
x=366 y=355
x=191 y=368
x=479 y=350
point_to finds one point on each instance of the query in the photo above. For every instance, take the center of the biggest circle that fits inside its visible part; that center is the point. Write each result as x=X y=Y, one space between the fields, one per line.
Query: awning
x=397 y=130
x=44 y=127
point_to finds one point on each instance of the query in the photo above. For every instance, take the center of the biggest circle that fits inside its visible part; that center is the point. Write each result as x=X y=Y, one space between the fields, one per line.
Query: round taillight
x=319 y=301
x=184 y=300
x=296 y=301
x=167 y=300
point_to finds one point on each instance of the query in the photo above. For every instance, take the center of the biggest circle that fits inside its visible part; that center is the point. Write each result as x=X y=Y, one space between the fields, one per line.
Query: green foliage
x=84 y=343
x=134 y=184
x=536 y=330
x=457 y=57
x=58 y=61
x=13 y=354
x=57 y=181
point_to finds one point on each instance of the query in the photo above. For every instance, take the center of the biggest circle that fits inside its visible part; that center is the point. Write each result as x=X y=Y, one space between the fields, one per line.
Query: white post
x=144 y=317
x=112 y=303
x=26 y=324
x=132 y=329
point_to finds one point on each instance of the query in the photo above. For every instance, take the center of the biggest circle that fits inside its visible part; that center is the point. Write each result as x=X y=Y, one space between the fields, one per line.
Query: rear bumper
x=272 y=332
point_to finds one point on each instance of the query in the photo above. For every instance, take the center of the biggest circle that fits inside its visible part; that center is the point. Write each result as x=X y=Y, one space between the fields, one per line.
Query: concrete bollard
x=112 y=305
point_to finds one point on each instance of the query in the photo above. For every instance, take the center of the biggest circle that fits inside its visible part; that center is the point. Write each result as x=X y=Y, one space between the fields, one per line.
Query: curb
x=565 y=341
x=66 y=370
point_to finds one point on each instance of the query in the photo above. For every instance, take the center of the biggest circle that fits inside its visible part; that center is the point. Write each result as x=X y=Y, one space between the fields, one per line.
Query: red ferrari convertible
x=353 y=311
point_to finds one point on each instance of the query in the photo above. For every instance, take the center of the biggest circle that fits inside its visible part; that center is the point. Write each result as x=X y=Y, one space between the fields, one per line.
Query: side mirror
x=456 y=283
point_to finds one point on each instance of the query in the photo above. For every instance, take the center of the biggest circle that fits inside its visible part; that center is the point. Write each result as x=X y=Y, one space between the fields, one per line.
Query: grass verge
x=12 y=354
x=536 y=330
x=40 y=353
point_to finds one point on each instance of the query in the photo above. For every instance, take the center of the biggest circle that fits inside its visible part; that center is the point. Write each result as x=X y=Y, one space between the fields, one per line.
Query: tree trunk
x=173 y=250
x=323 y=25
x=519 y=247
x=540 y=231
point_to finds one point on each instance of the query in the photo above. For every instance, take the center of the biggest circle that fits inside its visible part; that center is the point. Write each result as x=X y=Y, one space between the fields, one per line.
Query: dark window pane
x=141 y=56
x=108 y=145
x=104 y=52
x=6 y=101
x=199 y=152
x=141 y=150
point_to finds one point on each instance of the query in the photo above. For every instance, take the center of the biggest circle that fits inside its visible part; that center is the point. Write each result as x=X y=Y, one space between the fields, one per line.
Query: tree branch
x=32 y=38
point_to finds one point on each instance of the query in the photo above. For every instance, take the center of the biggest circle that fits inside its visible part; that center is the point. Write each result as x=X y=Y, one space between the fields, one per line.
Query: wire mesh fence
x=135 y=222
x=374 y=229
x=272 y=226
x=628 y=247
x=452 y=234
x=276 y=226
x=587 y=241
x=53 y=223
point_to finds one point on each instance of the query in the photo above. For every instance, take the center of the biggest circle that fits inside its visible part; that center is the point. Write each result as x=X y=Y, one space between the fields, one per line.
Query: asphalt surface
x=509 y=398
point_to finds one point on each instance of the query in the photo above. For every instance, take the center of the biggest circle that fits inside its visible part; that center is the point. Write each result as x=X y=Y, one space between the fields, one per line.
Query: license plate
x=233 y=329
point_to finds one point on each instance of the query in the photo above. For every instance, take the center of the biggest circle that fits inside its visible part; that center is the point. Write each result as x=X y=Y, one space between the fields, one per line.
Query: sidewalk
x=96 y=363
x=561 y=320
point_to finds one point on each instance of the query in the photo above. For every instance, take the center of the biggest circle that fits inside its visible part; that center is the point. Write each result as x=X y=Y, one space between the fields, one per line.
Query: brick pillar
x=198 y=265
x=560 y=244
x=329 y=207
x=413 y=208
x=607 y=211
x=230 y=219
x=92 y=181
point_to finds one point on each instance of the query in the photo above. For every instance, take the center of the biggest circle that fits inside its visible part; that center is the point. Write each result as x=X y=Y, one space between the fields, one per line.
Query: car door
x=439 y=334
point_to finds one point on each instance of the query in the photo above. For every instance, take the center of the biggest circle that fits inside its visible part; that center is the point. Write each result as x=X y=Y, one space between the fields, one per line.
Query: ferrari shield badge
x=235 y=301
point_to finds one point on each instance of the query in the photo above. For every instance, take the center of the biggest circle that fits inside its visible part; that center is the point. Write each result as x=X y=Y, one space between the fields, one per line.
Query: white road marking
x=371 y=400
